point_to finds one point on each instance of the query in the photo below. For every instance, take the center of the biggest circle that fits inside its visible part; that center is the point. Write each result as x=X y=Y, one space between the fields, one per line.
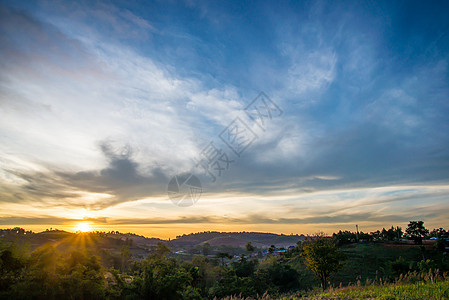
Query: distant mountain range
x=213 y=238
x=236 y=239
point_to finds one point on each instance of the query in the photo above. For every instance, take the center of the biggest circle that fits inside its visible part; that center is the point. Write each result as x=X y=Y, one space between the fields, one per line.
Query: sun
x=83 y=227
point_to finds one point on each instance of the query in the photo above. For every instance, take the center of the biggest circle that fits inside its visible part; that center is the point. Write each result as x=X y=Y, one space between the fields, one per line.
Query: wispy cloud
x=101 y=104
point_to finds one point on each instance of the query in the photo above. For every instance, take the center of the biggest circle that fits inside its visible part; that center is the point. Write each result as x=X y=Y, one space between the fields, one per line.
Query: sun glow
x=83 y=227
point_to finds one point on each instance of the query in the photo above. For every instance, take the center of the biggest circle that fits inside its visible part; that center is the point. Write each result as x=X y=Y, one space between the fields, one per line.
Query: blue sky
x=103 y=102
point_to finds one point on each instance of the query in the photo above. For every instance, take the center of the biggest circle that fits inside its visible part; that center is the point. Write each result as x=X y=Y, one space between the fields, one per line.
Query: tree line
x=415 y=231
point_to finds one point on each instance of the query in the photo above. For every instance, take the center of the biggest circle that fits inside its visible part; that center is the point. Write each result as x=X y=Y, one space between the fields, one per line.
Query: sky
x=294 y=117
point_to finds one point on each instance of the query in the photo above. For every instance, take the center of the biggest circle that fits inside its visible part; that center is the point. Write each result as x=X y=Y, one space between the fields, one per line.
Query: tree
x=398 y=232
x=9 y=262
x=416 y=231
x=163 y=278
x=206 y=249
x=437 y=232
x=323 y=257
x=399 y=266
x=222 y=256
x=275 y=275
x=161 y=249
x=250 y=248
x=344 y=237
x=244 y=267
x=125 y=256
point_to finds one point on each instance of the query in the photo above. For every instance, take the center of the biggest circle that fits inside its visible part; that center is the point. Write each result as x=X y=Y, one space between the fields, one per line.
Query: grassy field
x=364 y=262
x=408 y=291
x=419 y=290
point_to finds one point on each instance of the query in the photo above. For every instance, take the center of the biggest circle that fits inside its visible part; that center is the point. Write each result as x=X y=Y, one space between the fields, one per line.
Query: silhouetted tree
x=437 y=232
x=416 y=231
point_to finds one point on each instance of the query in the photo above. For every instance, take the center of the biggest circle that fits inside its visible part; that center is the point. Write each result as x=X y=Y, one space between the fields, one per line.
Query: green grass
x=419 y=290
